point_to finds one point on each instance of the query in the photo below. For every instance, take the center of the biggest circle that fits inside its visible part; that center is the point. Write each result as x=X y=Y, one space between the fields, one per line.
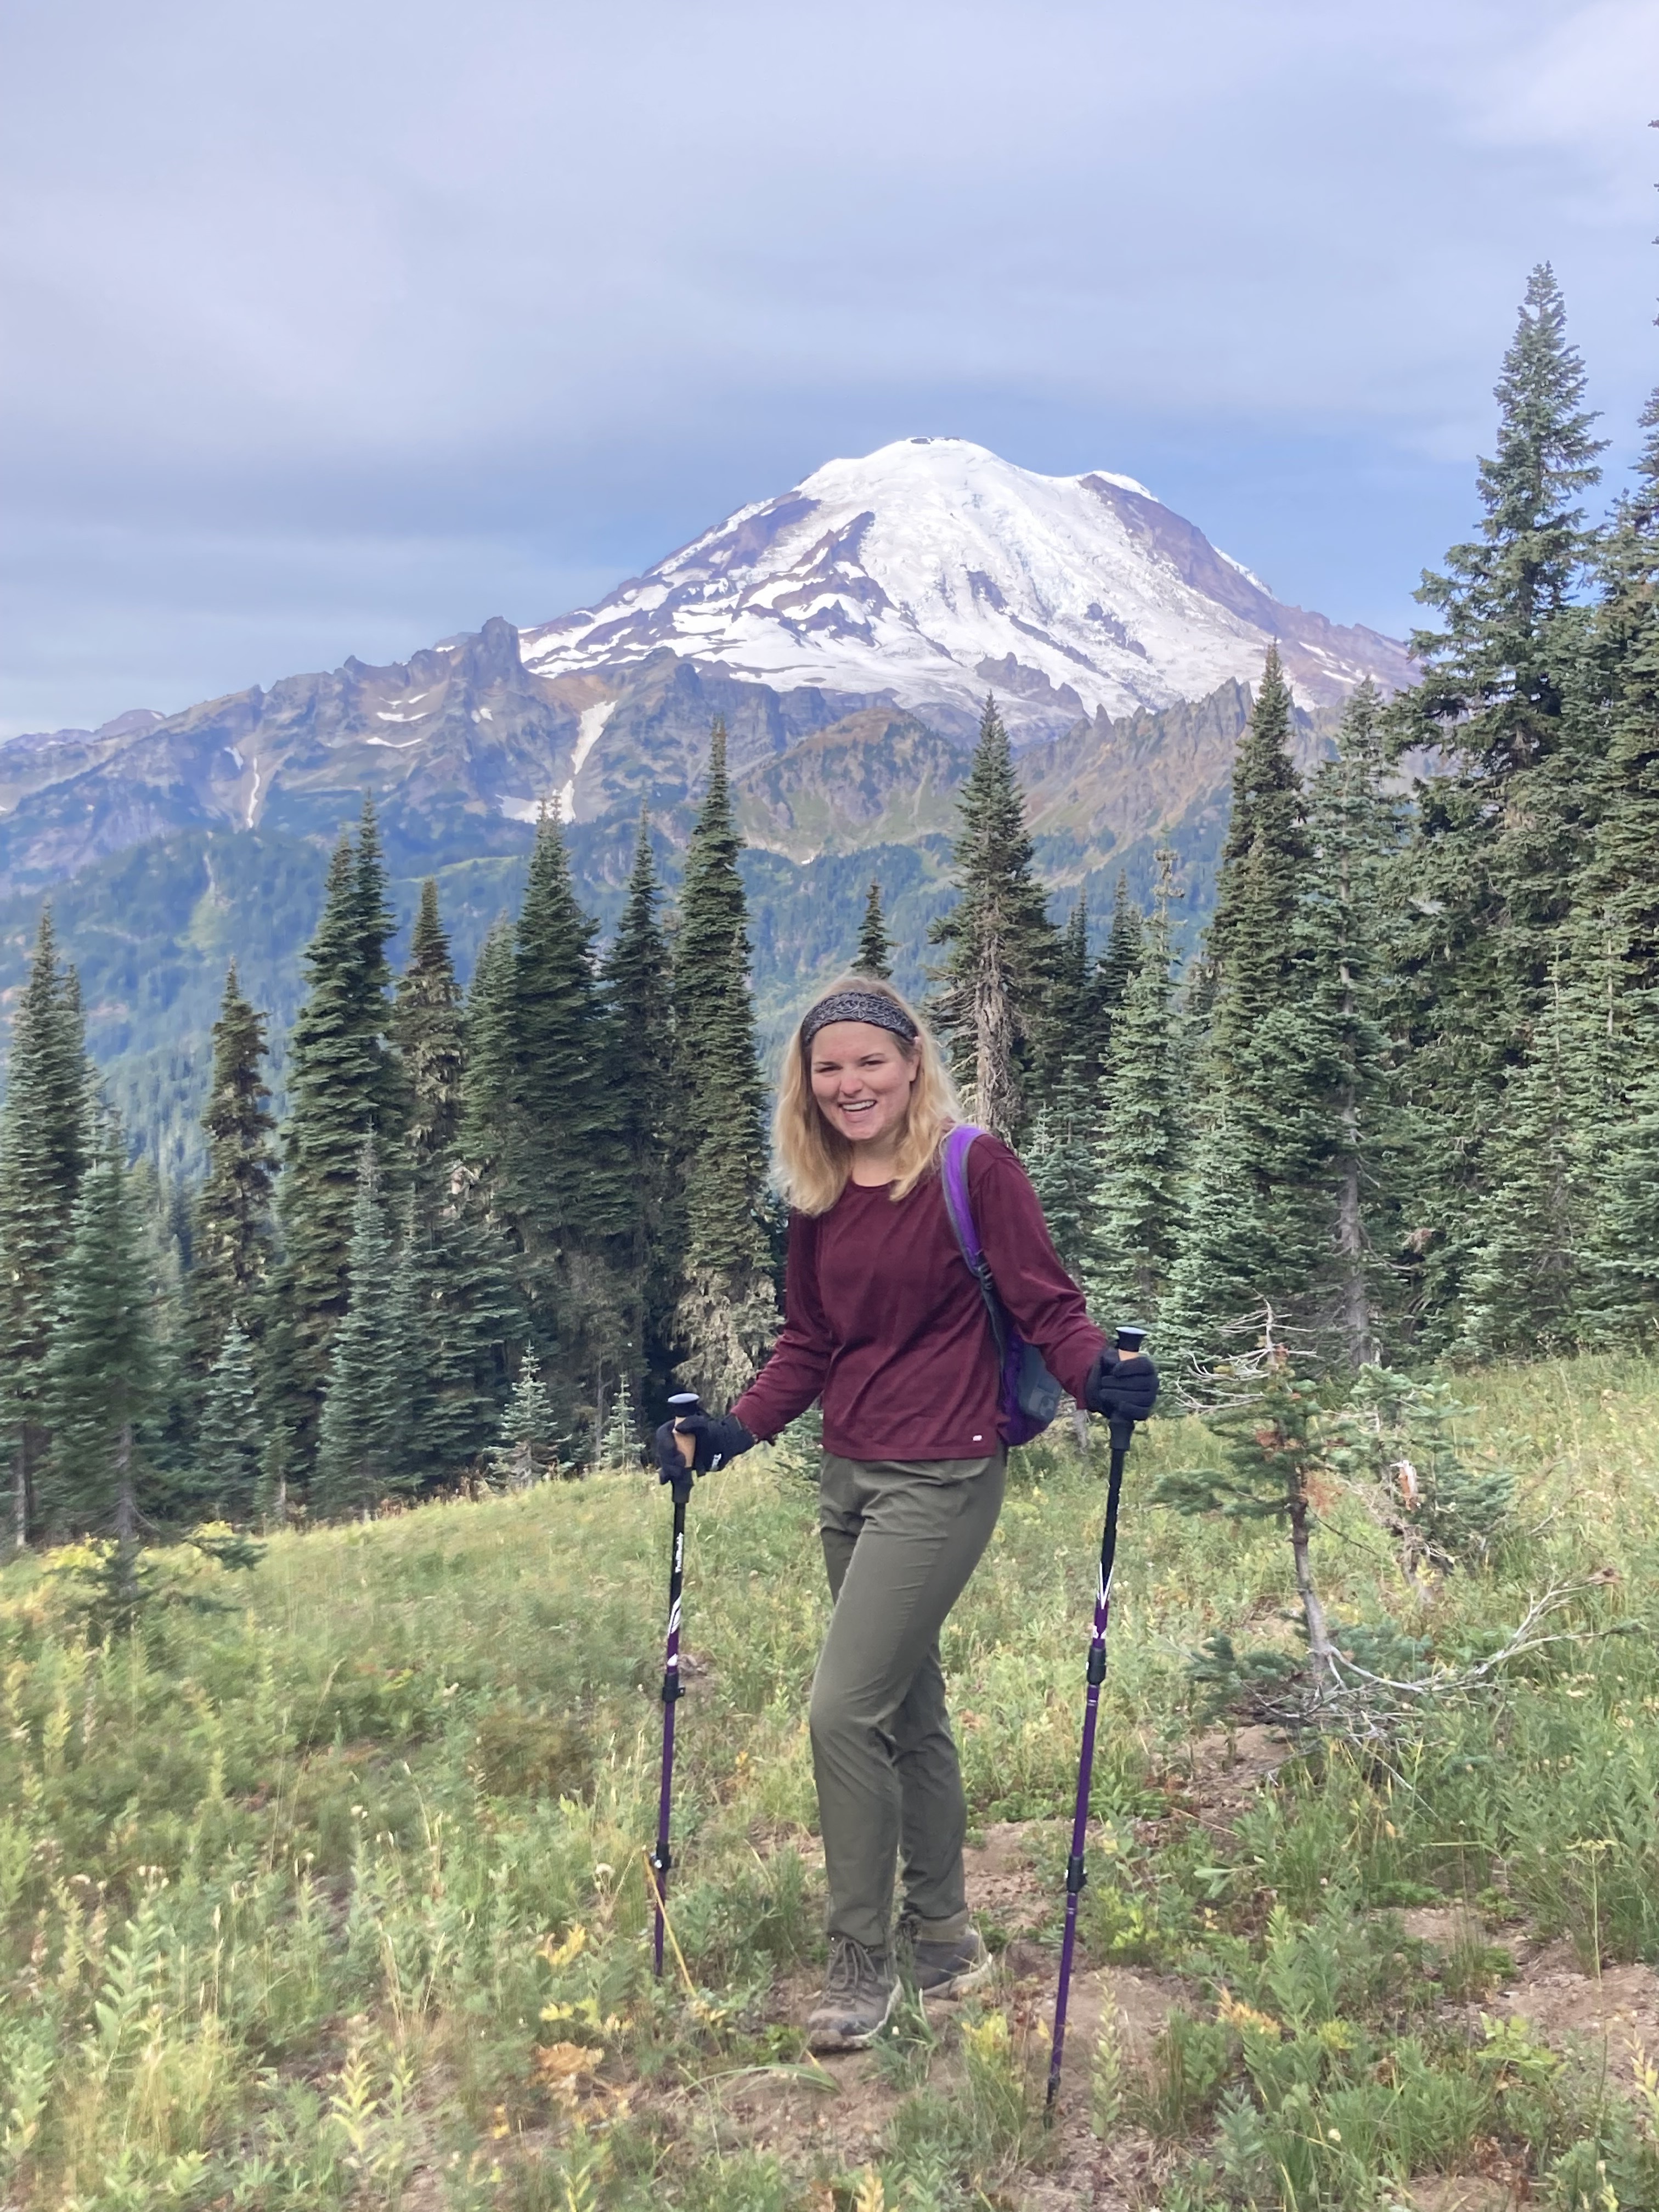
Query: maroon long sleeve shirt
x=883 y=1319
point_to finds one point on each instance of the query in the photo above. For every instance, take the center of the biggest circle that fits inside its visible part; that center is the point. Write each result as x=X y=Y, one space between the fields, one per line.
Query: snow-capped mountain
x=931 y=571
x=892 y=591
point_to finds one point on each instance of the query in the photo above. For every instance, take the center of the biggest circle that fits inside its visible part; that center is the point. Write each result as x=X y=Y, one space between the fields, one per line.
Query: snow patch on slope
x=589 y=724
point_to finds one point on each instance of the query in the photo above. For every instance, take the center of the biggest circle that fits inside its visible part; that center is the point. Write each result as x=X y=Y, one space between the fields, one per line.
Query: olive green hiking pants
x=901 y=1538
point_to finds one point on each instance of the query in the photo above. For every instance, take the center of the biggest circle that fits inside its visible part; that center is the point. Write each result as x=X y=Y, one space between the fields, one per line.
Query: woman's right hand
x=1122 y=1382
x=715 y=1438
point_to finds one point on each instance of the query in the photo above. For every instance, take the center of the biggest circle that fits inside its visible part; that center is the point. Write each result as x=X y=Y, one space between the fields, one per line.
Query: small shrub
x=1178 y=2090
x=530 y=1755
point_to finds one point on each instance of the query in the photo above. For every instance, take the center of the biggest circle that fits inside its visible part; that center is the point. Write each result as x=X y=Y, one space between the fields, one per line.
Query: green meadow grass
x=325 y=1887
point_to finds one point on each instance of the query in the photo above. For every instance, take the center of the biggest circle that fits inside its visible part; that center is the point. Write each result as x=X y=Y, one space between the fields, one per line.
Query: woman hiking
x=886 y=1324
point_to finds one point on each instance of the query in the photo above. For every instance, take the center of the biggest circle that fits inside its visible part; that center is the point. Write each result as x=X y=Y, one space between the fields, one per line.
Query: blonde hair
x=813 y=1161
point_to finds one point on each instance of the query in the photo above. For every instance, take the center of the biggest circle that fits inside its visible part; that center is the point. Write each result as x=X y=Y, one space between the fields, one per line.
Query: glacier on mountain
x=933 y=570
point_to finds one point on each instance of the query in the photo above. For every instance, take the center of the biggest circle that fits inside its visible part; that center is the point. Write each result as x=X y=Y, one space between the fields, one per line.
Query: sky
x=336 y=326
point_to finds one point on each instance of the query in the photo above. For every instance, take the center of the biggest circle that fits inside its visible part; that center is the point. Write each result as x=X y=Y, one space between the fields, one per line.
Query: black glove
x=717 y=1438
x=1116 y=1385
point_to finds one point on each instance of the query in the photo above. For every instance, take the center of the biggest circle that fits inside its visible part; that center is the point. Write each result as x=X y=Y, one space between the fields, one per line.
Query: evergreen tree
x=1252 y=937
x=1255 y=1228
x=1073 y=1027
x=526 y=1451
x=1525 y=1288
x=1118 y=964
x=1000 y=948
x=463 y=1314
x=1058 y=1151
x=231 y=1231
x=99 y=1367
x=1268 y=1424
x=167 y=1440
x=1226 y=1250
x=230 y=1440
x=1138 y=1137
x=42 y=1156
x=453 y=1278
x=1502 y=828
x=375 y=924
x=619 y=1445
x=426 y=1029
x=875 y=952
x=1354 y=829
x=1615 y=990
x=561 y=1183
x=365 y=1413
x=1493 y=675
x=342 y=1086
x=640 y=1072
x=487 y=1077
x=1060 y=1160
x=726 y=1315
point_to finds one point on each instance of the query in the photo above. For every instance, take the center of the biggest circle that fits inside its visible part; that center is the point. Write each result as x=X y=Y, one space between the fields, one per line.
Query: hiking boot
x=945 y=1970
x=859 y=1991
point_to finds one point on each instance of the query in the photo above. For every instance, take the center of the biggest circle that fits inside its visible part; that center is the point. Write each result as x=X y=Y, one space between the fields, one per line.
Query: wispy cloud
x=335 y=329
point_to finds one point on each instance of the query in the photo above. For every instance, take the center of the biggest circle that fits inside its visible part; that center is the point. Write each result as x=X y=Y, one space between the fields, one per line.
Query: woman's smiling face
x=862 y=1078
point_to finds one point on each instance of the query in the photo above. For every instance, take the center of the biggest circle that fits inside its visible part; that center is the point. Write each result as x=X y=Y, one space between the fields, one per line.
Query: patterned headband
x=857 y=1006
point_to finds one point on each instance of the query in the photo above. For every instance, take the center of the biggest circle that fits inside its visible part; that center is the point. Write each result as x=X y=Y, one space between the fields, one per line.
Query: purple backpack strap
x=954 y=1173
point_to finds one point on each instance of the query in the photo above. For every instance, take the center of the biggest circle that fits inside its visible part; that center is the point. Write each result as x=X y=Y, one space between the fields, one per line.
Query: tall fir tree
x=231 y=1229
x=1503 y=826
x=563 y=1183
x=639 y=1068
x=42 y=1157
x=1616 y=932
x=1118 y=965
x=456 y=1264
x=364 y=1425
x=1059 y=1150
x=1525 y=1288
x=99 y=1367
x=1255 y=1227
x=1492 y=681
x=1355 y=828
x=1252 y=936
x=426 y=1028
x=875 y=950
x=462 y=1312
x=727 y=1314
x=1138 y=1135
x=342 y=1086
x=230 y=1437
x=1071 y=1027
x=167 y=1438
x=1000 y=948
x=487 y=1077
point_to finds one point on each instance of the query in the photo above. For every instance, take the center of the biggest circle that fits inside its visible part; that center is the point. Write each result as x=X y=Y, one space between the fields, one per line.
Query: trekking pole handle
x=684 y=1402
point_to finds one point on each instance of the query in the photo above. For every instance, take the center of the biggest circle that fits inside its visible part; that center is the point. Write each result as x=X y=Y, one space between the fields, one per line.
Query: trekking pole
x=686 y=1401
x=1122 y=1429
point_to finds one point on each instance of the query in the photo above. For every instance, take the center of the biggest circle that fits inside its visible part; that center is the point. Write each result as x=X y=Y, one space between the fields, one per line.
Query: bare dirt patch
x=1080 y=2169
x=1616 y=2008
x=1462 y=2192
x=1445 y=1926
x=1003 y=1887
x=1223 y=1772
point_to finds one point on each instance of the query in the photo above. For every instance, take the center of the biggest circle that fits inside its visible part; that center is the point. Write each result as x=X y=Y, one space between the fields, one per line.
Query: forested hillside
x=1402 y=1097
